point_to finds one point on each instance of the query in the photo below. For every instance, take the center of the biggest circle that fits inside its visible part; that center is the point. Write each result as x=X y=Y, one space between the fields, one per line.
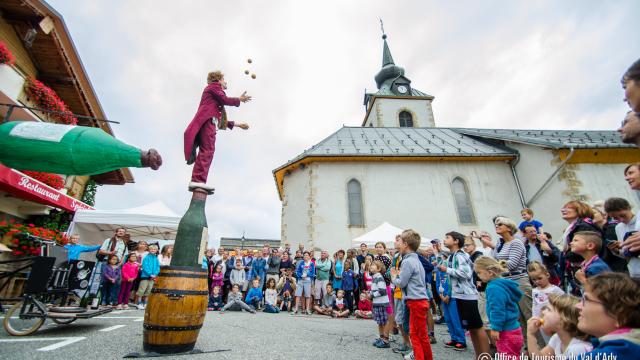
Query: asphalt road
x=245 y=336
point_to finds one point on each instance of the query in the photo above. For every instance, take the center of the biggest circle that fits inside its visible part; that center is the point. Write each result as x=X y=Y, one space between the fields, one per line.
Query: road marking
x=63 y=341
x=138 y=320
x=111 y=328
x=121 y=317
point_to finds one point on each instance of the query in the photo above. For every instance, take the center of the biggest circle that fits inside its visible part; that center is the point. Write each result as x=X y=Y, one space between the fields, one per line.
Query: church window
x=406 y=120
x=463 y=201
x=354 y=192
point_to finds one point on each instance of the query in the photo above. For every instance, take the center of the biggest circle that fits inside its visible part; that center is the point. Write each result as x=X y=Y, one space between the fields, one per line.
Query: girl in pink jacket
x=129 y=275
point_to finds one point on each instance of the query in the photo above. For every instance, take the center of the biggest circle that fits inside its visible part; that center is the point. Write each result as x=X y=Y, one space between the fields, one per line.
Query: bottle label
x=40 y=131
x=203 y=244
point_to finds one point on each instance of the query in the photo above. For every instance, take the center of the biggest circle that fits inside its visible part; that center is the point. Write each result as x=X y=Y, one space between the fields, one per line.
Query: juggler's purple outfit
x=201 y=132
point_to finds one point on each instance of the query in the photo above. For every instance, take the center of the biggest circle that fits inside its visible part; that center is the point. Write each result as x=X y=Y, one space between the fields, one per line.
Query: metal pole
x=11 y=106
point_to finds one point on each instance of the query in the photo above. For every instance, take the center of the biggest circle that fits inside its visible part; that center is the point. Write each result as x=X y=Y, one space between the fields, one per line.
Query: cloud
x=489 y=64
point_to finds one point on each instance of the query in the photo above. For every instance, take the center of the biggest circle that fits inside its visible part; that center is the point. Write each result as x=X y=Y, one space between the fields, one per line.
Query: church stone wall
x=295 y=206
x=385 y=112
x=405 y=194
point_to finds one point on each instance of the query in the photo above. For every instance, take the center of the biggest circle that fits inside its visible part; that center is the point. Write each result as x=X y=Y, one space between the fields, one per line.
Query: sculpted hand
x=244 y=97
x=243 y=126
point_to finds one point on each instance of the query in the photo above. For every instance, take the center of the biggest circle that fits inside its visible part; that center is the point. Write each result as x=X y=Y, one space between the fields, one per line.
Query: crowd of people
x=521 y=289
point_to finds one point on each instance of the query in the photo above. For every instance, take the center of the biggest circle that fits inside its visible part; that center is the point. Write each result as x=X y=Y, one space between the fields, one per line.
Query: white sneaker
x=409 y=356
x=198 y=185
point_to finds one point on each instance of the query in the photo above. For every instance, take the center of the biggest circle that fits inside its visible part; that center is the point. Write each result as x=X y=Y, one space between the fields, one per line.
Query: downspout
x=560 y=167
x=513 y=164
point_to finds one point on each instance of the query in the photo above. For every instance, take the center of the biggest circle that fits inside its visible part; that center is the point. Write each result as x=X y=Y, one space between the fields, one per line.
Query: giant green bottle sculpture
x=68 y=149
x=192 y=234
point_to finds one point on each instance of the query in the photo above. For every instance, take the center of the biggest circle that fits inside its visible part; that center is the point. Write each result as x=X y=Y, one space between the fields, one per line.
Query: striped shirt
x=515 y=254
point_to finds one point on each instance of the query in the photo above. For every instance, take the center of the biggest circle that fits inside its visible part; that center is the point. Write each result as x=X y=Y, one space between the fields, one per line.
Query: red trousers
x=418 y=329
x=207 y=146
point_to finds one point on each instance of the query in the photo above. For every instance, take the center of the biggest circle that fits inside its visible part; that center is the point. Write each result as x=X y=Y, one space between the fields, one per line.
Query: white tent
x=385 y=233
x=154 y=221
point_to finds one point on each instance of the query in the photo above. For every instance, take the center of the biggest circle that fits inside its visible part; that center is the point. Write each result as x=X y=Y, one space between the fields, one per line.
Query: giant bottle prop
x=68 y=149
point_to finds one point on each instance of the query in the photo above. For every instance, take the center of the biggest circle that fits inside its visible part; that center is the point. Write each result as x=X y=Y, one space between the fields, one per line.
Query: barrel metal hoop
x=184 y=268
x=171 y=328
x=179 y=292
x=185 y=275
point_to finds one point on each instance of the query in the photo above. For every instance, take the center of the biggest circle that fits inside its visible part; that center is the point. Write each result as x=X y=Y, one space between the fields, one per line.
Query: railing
x=13 y=106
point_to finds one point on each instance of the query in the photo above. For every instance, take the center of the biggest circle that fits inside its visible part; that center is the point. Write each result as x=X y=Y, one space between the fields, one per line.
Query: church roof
x=401 y=142
x=556 y=139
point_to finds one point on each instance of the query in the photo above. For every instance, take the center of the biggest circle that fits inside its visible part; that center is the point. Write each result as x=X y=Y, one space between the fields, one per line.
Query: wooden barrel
x=176 y=309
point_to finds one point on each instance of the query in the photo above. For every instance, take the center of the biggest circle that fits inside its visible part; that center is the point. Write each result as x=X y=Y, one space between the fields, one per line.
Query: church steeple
x=390 y=71
x=387 y=59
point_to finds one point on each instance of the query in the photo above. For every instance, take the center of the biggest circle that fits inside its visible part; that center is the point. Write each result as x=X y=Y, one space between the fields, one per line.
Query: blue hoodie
x=622 y=344
x=150 y=266
x=502 y=304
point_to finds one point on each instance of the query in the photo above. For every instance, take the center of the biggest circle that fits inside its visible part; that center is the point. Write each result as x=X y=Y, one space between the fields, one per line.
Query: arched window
x=406 y=120
x=354 y=192
x=463 y=201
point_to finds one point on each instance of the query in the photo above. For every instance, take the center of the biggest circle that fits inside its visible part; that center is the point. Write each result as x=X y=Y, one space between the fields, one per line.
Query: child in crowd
x=348 y=285
x=254 y=295
x=450 y=312
x=74 y=249
x=527 y=217
x=215 y=299
x=129 y=275
x=460 y=270
x=110 y=276
x=271 y=297
x=503 y=296
x=237 y=276
x=559 y=318
x=411 y=279
x=399 y=306
x=367 y=279
x=587 y=244
x=150 y=270
x=609 y=311
x=539 y=275
x=364 y=307
x=235 y=302
x=326 y=304
x=286 y=288
x=340 y=305
x=217 y=278
x=380 y=301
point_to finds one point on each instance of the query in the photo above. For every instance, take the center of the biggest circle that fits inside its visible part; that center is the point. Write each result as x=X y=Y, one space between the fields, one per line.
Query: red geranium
x=22 y=245
x=46 y=98
x=53 y=180
x=6 y=57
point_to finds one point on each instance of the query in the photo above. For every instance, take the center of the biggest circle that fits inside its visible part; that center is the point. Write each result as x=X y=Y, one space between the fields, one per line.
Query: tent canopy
x=154 y=221
x=385 y=233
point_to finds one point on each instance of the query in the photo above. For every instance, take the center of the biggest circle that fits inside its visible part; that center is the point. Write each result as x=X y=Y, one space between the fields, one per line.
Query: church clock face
x=402 y=89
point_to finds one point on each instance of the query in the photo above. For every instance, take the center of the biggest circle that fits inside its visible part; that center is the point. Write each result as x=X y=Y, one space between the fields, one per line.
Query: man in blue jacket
x=305 y=272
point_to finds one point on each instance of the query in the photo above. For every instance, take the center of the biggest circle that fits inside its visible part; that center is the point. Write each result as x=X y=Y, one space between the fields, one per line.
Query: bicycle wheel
x=63 y=321
x=18 y=325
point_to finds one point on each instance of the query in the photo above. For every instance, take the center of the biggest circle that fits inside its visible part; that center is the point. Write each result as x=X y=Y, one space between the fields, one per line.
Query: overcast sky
x=495 y=64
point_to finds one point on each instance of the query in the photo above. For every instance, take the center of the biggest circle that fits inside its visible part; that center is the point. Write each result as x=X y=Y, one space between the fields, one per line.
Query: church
x=399 y=167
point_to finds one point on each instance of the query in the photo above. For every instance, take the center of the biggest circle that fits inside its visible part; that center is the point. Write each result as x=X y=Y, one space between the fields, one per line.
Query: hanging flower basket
x=6 y=57
x=53 y=180
x=44 y=97
x=11 y=234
